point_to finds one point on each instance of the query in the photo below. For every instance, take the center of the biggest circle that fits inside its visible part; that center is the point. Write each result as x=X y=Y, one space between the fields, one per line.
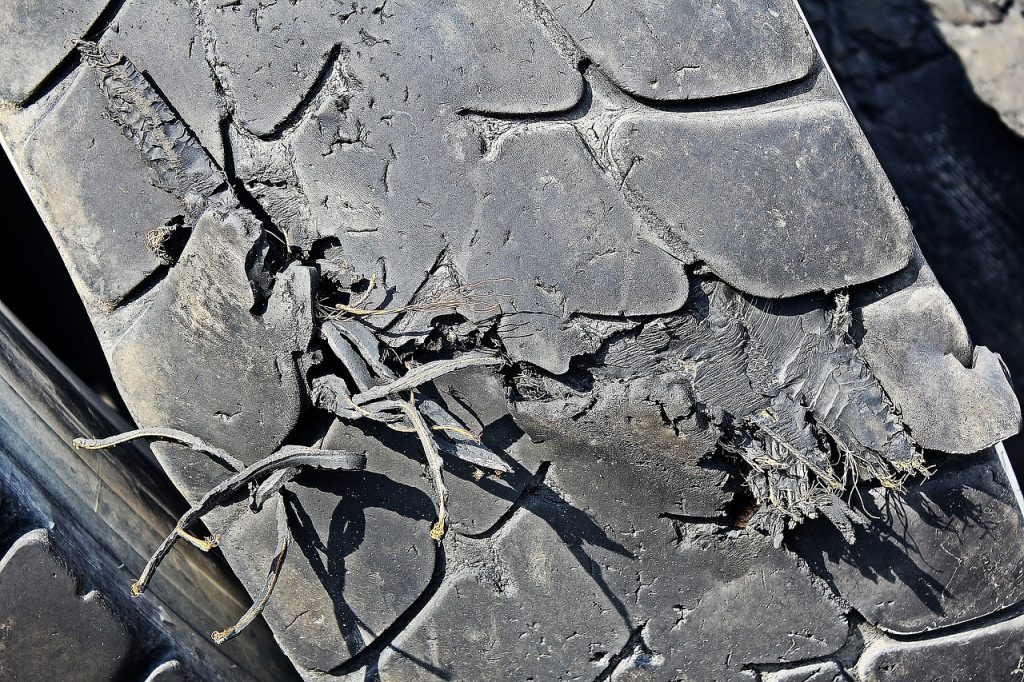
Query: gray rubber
x=74 y=525
x=724 y=354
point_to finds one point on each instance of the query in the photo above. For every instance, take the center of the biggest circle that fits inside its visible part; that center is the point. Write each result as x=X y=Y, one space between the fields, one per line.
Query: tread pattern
x=73 y=525
x=45 y=620
x=655 y=308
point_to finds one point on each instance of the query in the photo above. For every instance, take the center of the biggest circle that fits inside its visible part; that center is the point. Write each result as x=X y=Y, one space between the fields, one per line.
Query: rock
x=987 y=37
x=969 y=11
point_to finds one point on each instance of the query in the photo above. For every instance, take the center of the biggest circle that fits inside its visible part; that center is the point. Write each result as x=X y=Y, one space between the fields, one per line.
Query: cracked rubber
x=727 y=367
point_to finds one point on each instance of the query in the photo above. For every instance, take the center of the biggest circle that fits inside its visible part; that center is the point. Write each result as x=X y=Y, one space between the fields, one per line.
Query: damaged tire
x=527 y=341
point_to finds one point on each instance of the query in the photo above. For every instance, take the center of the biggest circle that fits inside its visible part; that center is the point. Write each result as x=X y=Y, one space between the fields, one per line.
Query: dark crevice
x=308 y=99
x=369 y=657
x=261 y=263
x=689 y=518
x=141 y=664
x=66 y=66
x=573 y=112
x=229 y=150
x=529 y=489
x=635 y=642
x=774 y=94
x=245 y=197
x=145 y=285
x=743 y=505
x=742 y=100
x=972 y=625
x=310 y=428
x=790 y=665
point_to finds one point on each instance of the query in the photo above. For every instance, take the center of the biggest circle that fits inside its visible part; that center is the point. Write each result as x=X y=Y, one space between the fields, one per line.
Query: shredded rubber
x=358 y=350
x=284 y=539
x=268 y=476
x=424 y=374
x=217 y=454
x=435 y=465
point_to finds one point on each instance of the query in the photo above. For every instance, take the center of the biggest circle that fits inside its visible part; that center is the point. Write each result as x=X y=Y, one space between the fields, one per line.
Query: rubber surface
x=72 y=526
x=715 y=321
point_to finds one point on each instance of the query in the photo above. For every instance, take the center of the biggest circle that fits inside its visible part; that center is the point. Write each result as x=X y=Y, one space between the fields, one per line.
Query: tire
x=961 y=180
x=548 y=342
x=73 y=525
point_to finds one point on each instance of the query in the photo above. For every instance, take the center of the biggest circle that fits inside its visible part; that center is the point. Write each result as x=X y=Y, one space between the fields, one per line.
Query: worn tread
x=694 y=277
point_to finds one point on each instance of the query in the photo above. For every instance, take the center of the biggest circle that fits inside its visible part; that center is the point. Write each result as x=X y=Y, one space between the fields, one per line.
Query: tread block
x=388 y=170
x=96 y=195
x=272 y=54
x=735 y=594
x=690 y=50
x=37 y=35
x=778 y=202
x=47 y=631
x=955 y=397
x=546 y=213
x=949 y=551
x=621 y=449
x=204 y=305
x=532 y=610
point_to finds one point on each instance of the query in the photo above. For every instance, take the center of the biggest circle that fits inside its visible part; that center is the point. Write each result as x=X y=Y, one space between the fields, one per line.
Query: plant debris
x=286 y=463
